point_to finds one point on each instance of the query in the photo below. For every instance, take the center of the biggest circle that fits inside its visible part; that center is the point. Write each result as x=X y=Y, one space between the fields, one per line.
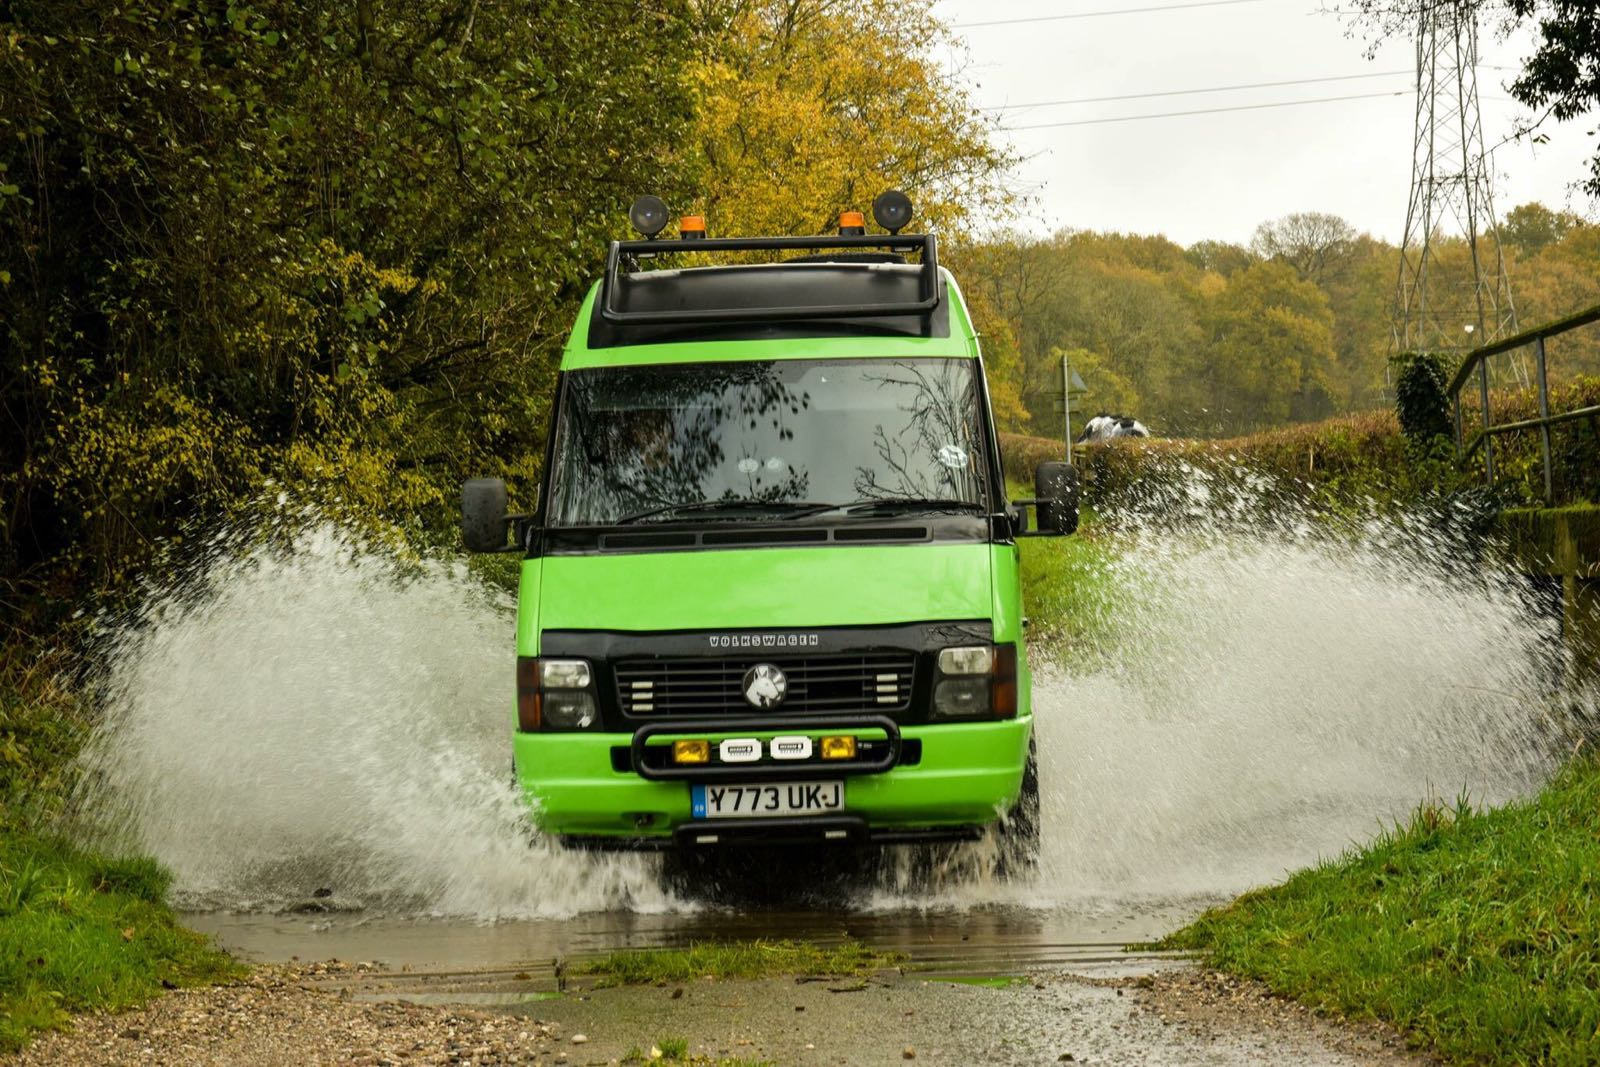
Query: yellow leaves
x=802 y=114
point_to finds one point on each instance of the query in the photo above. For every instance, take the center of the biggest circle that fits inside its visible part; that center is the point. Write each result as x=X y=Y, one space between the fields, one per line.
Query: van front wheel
x=1019 y=832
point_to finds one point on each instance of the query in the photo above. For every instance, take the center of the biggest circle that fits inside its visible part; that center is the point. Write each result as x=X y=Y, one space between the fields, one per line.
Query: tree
x=1529 y=229
x=277 y=241
x=1107 y=390
x=1311 y=242
x=1270 y=357
x=1222 y=257
x=809 y=107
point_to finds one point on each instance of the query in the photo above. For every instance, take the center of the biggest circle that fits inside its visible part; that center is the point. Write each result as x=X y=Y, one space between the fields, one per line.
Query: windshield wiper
x=791 y=508
x=890 y=505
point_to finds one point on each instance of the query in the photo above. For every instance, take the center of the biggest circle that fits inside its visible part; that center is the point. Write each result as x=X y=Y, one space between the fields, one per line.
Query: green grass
x=81 y=932
x=1477 y=933
x=78 y=931
x=42 y=726
x=737 y=959
x=674 y=1052
x=682 y=1058
x=983 y=981
x=1068 y=586
x=1067 y=592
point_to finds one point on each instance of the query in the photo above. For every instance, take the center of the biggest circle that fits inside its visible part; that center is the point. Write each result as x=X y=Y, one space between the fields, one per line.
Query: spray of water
x=317 y=720
x=316 y=714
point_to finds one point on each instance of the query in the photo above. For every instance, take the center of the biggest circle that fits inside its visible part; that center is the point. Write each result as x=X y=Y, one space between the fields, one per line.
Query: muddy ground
x=344 y=1014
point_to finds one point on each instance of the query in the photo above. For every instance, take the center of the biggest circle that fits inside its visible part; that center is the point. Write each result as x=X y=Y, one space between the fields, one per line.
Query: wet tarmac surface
x=991 y=985
x=452 y=961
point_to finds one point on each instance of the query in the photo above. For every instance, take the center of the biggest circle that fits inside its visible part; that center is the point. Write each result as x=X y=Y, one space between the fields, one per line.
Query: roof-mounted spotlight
x=649 y=215
x=892 y=210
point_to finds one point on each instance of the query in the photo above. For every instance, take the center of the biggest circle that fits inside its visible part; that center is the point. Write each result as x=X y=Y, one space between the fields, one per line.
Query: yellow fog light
x=691 y=751
x=838 y=748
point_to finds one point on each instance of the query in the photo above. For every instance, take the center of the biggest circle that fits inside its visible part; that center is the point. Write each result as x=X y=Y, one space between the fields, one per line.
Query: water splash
x=318 y=722
x=316 y=713
x=1276 y=700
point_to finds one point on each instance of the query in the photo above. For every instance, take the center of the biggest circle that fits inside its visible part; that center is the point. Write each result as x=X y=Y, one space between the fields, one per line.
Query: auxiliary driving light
x=649 y=215
x=892 y=210
x=691 y=752
x=739 y=750
x=796 y=747
x=838 y=747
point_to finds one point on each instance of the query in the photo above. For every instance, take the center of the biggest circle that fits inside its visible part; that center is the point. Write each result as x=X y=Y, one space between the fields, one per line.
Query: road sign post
x=1066 y=405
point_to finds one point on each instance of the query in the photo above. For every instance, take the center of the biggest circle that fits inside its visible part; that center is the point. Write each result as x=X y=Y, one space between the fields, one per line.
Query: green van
x=770 y=591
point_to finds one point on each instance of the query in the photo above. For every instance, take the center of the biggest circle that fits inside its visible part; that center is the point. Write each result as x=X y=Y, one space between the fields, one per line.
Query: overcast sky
x=1219 y=175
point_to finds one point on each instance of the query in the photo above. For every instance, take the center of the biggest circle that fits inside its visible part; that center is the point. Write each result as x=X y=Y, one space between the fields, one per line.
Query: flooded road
x=987 y=941
x=323 y=727
x=984 y=985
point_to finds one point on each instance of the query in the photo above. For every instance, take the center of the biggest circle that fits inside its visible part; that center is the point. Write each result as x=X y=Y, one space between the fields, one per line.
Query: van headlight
x=565 y=674
x=968 y=659
x=555 y=694
x=569 y=709
x=976 y=682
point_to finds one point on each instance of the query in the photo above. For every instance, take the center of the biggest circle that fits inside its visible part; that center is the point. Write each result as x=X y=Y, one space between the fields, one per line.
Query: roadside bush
x=1421 y=379
x=1575 y=446
x=287 y=243
x=43 y=724
x=1344 y=463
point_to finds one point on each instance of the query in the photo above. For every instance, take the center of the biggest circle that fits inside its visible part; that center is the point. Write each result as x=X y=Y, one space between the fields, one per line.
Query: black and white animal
x=1104 y=427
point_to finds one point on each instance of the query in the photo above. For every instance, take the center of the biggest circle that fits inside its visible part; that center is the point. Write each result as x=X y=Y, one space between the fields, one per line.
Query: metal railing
x=1477 y=361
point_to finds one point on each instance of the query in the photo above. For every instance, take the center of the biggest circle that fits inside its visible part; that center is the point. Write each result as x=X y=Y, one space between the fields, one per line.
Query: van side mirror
x=1056 y=490
x=483 y=515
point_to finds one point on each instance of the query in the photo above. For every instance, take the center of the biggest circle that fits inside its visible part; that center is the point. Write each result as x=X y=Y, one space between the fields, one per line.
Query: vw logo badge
x=765 y=686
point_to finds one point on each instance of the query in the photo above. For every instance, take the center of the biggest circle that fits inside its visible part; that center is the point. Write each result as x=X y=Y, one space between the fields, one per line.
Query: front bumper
x=966 y=776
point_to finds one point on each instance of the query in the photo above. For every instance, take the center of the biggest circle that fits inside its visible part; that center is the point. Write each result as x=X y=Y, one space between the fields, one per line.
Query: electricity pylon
x=1439 y=307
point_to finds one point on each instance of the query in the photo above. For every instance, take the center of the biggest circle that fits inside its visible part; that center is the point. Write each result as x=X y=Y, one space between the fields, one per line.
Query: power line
x=1202 y=111
x=1190 y=92
x=1100 y=14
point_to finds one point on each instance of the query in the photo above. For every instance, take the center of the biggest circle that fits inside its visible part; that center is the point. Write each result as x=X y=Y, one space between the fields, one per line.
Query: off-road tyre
x=1019 y=833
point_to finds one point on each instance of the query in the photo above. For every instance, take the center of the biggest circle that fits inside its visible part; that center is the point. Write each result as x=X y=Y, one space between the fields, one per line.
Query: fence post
x=1488 y=441
x=1544 y=414
x=1461 y=441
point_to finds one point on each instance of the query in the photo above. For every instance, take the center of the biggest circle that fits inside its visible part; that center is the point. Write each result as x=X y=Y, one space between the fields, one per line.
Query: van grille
x=869 y=681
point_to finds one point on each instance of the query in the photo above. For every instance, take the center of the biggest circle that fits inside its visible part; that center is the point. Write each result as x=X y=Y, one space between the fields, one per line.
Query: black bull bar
x=880 y=759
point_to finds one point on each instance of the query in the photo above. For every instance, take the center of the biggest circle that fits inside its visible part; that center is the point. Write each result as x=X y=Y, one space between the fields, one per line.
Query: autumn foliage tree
x=249 y=244
x=807 y=107
x=273 y=242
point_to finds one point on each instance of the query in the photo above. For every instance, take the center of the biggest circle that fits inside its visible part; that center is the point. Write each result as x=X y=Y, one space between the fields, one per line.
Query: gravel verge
x=274 y=1017
x=330 y=1014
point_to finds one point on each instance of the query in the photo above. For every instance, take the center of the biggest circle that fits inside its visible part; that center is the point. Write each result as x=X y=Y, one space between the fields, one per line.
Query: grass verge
x=78 y=931
x=674 y=1052
x=82 y=932
x=1068 y=591
x=737 y=959
x=1477 y=933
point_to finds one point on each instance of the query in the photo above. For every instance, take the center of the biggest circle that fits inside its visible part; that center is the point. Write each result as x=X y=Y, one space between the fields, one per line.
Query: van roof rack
x=622 y=260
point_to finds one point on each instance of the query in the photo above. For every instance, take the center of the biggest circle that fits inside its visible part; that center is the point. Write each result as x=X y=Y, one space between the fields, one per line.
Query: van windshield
x=771 y=439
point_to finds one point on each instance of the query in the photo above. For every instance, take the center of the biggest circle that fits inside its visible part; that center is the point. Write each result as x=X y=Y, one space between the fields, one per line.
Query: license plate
x=766 y=801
